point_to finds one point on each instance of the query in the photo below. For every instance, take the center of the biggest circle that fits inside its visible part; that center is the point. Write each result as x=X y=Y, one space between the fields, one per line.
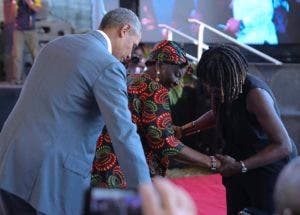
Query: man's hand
x=229 y=166
x=165 y=198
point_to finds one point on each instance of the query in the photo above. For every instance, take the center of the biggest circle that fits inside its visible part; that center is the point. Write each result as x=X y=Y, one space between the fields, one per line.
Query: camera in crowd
x=100 y=201
x=135 y=59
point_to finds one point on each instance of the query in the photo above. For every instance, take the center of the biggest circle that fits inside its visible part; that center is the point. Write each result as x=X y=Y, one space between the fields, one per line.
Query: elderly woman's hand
x=166 y=199
x=178 y=131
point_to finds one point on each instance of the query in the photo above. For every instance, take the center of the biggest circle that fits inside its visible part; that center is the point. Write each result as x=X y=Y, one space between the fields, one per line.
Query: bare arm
x=207 y=120
x=160 y=134
x=260 y=103
x=193 y=157
x=165 y=199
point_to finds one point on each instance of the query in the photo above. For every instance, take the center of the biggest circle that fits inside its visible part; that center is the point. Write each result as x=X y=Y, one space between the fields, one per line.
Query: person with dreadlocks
x=150 y=108
x=256 y=145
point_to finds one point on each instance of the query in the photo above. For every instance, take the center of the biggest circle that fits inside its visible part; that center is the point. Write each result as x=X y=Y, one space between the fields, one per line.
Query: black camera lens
x=135 y=60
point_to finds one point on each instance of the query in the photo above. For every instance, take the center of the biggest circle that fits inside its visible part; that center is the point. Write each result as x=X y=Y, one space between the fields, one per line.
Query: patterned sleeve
x=157 y=122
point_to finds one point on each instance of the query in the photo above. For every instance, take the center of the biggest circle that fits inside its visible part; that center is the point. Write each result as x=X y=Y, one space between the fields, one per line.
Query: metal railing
x=201 y=45
x=170 y=32
x=202 y=26
x=192 y=58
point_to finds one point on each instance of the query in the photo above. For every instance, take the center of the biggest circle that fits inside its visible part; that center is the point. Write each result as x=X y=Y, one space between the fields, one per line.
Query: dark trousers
x=253 y=189
x=12 y=205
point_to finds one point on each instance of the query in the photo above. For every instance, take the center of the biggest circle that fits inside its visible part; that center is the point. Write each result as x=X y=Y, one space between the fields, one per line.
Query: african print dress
x=150 y=108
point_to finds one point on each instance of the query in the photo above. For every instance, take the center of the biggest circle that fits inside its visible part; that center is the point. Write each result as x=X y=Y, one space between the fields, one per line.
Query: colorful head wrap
x=167 y=52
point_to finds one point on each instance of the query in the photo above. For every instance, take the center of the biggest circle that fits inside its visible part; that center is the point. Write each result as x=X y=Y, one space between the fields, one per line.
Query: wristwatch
x=213 y=163
x=244 y=168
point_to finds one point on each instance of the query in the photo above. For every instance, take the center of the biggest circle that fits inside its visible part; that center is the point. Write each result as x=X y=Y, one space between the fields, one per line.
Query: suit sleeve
x=110 y=92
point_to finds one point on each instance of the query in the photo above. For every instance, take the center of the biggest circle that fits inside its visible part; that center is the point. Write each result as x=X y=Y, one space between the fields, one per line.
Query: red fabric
x=207 y=192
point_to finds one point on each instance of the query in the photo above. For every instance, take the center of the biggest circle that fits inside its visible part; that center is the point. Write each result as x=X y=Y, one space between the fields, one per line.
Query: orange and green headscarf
x=168 y=52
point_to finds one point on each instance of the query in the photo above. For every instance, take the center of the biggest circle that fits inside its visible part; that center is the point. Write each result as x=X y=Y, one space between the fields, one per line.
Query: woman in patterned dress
x=150 y=108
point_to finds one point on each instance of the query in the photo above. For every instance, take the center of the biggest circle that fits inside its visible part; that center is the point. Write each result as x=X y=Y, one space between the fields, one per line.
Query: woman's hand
x=229 y=166
x=178 y=131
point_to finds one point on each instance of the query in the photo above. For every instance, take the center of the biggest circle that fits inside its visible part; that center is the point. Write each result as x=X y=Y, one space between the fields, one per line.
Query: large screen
x=258 y=22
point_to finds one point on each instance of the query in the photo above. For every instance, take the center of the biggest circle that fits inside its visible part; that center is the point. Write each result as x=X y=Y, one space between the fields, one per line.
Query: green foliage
x=175 y=93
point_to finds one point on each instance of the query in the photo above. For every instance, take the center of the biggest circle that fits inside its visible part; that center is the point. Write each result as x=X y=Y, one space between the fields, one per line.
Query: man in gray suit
x=47 y=145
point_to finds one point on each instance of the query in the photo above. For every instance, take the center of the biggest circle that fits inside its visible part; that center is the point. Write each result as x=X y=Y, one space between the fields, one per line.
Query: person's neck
x=108 y=32
x=111 y=33
x=107 y=38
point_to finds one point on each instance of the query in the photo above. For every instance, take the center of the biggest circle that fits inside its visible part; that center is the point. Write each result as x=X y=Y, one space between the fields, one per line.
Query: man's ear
x=125 y=29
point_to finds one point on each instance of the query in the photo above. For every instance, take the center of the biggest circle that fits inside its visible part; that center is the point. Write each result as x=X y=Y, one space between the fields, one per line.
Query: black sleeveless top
x=241 y=132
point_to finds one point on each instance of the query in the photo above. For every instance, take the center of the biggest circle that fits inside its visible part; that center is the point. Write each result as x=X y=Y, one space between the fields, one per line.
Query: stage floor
x=205 y=188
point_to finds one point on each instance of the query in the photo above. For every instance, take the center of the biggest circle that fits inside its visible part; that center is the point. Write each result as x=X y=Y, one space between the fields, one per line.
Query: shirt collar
x=107 y=40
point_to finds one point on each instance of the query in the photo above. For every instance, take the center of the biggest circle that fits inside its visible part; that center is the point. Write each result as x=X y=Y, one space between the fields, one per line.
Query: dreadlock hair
x=225 y=68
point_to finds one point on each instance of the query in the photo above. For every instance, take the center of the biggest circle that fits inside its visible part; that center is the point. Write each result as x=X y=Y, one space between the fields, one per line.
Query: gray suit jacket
x=48 y=142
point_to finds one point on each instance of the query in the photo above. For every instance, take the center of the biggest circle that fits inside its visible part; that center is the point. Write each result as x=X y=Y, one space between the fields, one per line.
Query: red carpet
x=207 y=192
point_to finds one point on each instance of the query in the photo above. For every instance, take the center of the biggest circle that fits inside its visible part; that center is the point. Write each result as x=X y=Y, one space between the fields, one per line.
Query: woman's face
x=213 y=91
x=170 y=75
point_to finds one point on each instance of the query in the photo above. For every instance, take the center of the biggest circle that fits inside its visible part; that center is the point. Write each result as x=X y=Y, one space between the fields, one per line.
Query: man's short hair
x=120 y=17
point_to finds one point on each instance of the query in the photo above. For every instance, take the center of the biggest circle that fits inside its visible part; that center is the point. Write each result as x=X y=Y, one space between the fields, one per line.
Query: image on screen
x=258 y=22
